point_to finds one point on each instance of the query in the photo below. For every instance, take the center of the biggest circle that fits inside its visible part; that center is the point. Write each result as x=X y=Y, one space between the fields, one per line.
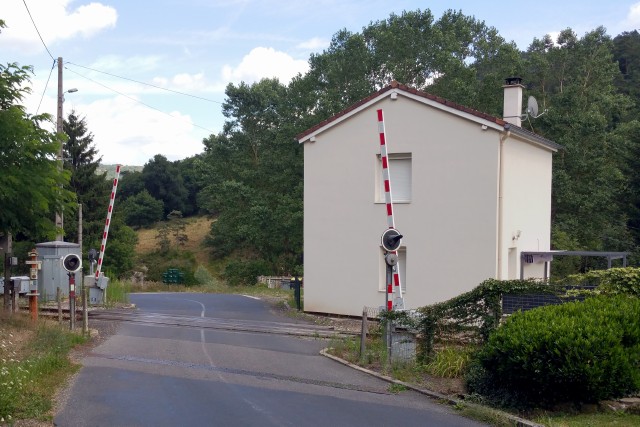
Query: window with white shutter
x=400 y=173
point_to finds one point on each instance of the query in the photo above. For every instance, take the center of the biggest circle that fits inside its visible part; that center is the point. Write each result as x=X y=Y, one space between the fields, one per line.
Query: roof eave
x=533 y=137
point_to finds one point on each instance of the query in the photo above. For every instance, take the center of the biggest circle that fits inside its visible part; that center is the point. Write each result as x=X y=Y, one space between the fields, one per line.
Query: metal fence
x=400 y=342
x=274 y=282
x=523 y=302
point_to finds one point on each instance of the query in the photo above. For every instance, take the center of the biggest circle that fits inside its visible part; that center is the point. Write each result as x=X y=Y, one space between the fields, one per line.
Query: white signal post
x=107 y=223
x=392 y=288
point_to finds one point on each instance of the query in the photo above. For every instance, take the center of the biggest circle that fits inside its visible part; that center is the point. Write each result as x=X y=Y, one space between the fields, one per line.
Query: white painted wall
x=526 y=204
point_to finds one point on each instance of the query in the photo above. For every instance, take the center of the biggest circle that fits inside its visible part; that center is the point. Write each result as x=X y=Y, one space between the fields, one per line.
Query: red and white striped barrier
x=108 y=222
x=386 y=176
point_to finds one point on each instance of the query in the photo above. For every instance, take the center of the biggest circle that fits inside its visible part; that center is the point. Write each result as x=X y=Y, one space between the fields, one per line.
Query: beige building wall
x=526 y=206
x=450 y=224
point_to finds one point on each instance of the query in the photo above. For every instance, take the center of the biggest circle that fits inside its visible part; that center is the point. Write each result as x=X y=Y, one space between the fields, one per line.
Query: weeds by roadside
x=33 y=363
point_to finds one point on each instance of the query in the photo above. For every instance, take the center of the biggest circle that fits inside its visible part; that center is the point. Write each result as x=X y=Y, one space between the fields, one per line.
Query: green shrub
x=239 y=272
x=576 y=352
x=612 y=281
x=159 y=262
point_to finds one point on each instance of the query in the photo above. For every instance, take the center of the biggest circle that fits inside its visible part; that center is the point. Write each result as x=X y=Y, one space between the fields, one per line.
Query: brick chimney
x=512 y=112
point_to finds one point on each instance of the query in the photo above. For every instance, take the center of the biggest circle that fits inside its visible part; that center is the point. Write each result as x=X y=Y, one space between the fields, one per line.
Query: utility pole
x=59 y=217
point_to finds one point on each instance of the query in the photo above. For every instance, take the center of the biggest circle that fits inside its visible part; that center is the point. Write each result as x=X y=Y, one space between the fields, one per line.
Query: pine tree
x=92 y=189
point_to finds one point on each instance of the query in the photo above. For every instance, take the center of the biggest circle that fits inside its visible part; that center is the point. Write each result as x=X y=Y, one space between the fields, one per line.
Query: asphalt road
x=156 y=374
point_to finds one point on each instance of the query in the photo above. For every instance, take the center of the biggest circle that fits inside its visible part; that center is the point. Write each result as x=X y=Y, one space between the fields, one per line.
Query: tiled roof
x=395 y=85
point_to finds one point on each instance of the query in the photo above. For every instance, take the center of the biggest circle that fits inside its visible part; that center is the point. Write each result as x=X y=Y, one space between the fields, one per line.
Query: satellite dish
x=532 y=107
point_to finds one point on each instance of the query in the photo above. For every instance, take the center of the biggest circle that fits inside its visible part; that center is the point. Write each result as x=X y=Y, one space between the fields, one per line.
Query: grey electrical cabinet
x=97 y=288
x=53 y=275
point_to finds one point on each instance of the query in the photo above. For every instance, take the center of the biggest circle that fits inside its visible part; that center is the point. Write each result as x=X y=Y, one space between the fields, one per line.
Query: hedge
x=576 y=352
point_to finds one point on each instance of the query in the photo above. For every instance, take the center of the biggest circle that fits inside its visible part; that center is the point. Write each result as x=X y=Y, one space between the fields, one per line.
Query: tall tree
x=32 y=187
x=141 y=210
x=253 y=176
x=163 y=181
x=91 y=188
x=455 y=56
x=187 y=170
x=575 y=79
x=627 y=54
x=626 y=51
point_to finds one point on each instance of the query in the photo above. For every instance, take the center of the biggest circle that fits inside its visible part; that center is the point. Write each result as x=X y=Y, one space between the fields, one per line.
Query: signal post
x=72 y=263
x=33 y=277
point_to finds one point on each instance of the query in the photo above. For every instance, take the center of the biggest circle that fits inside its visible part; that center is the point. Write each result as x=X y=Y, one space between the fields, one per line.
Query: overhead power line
x=37 y=31
x=134 y=99
x=46 y=85
x=144 y=83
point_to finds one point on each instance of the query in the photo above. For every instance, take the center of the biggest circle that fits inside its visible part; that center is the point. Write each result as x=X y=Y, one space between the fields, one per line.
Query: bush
x=576 y=352
x=613 y=281
x=159 y=262
x=238 y=272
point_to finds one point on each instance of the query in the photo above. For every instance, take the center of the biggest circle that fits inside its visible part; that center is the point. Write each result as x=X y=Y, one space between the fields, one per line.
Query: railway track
x=294 y=329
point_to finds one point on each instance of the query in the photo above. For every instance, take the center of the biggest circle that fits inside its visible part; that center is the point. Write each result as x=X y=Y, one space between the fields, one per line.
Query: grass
x=450 y=362
x=609 y=419
x=197 y=229
x=397 y=388
x=117 y=293
x=33 y=363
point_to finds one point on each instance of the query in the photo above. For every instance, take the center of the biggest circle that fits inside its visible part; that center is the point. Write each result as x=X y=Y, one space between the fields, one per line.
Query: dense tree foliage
x=119 y=257
x=575 y=78
x=131 y=183
x=626 y=51
x=142 y=210
x=31 y=184
x=252 y=177
x=456 y=56
x=186 y=168
x=627 y=54
x=164 y=182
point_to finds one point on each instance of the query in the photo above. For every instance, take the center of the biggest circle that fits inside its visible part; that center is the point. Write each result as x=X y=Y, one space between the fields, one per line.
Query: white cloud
x=633 y=17
x=554 y=36
x=315 y=44
x=193 y=84
x=189 y=81
x=128 y=133
x=54 y=22
x=264 y=62
x=133 y=64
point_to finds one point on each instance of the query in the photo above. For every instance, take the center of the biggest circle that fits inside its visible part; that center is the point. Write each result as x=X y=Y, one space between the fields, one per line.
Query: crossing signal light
x=72 y=263
x=391 y=240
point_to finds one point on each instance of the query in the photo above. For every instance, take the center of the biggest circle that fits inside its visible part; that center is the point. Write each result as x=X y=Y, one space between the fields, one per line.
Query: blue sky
x=199 y=46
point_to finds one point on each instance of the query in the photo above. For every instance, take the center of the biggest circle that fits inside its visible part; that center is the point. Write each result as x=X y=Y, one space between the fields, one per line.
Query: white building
x=471 y=191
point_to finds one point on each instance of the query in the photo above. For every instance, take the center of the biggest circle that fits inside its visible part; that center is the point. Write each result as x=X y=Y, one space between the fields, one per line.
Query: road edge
x=519 y=422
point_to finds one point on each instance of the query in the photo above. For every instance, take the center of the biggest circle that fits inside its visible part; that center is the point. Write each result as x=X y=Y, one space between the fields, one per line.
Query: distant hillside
x=111 y=169
x=197 y=229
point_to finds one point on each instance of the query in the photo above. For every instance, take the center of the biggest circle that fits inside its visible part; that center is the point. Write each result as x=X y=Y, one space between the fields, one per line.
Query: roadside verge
x=457 y=403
